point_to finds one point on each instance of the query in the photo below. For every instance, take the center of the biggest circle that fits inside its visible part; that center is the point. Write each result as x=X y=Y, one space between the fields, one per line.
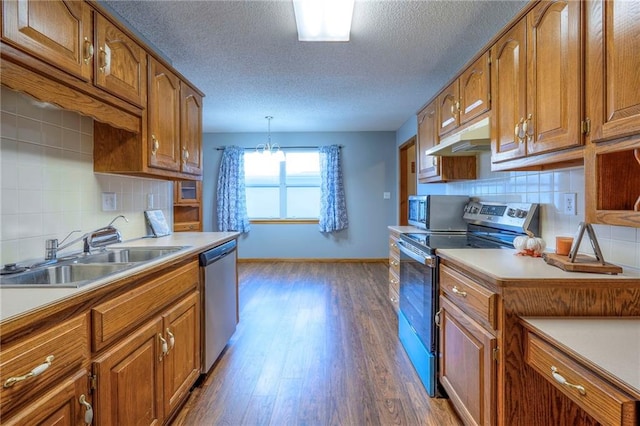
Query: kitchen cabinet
x=146 y=376
x=57 y=31
x=604 y=398
x=187 y=211
x=394 y=270
x=129 y=378
x=120 y=63
x=57 y=353
x=466 y=98
x=536 y=84
x=65 y=404
x=481 y=329
x=468 y=346
x=73 y=54
x=612 y=160
x=160 y=359
x=433 y=169
x=62 y=34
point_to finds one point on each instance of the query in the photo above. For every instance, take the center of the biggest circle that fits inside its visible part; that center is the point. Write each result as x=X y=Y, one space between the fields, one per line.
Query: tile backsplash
x=619 y=245
x=47 y=184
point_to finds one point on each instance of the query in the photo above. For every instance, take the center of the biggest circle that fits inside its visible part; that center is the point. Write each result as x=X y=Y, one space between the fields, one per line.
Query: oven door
x=419 y=293
x=418 y=304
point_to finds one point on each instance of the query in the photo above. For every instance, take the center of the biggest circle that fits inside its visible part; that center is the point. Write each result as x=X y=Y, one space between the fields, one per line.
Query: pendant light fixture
x=270 y=150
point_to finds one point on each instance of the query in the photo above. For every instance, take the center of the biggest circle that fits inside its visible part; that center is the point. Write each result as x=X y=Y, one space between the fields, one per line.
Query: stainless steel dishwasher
x=220 y=300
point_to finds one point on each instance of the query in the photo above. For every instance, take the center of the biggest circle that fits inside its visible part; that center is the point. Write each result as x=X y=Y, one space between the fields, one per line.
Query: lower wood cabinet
x=68 y=403
x=394 y=270
x=467 y=366
x=146 y=376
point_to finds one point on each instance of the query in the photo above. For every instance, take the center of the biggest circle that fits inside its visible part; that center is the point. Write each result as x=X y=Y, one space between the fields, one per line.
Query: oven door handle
x=424 y=260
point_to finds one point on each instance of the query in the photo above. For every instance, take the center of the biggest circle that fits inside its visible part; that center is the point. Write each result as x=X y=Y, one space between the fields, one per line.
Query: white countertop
x=506 y=265
x=612 y=344
x=17 y=301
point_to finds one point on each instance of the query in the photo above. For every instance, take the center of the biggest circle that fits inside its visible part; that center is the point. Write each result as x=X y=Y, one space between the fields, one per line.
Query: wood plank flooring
x=316 y=345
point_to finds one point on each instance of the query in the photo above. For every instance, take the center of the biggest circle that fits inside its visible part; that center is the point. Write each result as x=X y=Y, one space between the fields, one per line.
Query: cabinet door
x=508 y=87
x=120 y=63
x=427 y=138
x=191 y=130
x=129 y=378
x=612 y=66
x=448 y=109
x=474 y=90
x=554 y=76
x=467 y=367
x=163 y=117
x=56 y=31
x=182 y=362
x=60 y=406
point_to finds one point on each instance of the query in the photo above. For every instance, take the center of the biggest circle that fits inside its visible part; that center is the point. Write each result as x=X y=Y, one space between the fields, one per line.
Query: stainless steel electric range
x=489 y=225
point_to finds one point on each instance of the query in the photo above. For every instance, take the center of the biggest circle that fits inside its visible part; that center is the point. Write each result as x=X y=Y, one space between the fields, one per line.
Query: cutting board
x=583 y=263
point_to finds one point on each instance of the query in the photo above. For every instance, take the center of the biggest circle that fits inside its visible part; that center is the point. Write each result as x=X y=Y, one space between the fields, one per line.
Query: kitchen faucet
x=100 y=237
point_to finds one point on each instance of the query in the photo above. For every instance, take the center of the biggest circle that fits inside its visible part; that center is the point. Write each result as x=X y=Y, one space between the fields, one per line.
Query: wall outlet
x=109 y=201
x=570 y=200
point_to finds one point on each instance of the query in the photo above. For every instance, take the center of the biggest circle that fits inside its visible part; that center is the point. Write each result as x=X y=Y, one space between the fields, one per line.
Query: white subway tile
x=29 y=154
x=9 y=251
x=623 y=253
x=28 y=107
x=8 y=100
x=71 y=140
x=30 y=177
x=623 y=233
x=51 y=135
x=71 y=120
x=9 y=127
x=52 y=115
x=29 y=130
x=9 y=199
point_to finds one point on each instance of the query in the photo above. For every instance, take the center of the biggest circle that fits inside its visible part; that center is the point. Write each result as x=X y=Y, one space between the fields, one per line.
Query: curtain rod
x=221 y=148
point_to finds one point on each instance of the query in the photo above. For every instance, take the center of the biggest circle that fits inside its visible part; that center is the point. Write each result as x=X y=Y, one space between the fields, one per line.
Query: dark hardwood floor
x=316 y=345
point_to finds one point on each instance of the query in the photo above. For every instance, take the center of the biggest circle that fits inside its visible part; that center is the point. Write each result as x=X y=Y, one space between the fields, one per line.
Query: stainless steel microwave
x=437 y=212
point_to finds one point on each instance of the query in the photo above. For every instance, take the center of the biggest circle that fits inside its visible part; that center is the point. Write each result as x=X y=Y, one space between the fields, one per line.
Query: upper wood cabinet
x=57 y=31
x=120 y=63
x=191 y=129
x=163 y=117
x=537 y=88
x=432 y=169
x=175 y=122
x=612 y=165
x=466 y=98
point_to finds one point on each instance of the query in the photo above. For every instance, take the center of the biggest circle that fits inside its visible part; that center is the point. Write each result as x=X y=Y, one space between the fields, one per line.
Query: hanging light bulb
x=270 y=150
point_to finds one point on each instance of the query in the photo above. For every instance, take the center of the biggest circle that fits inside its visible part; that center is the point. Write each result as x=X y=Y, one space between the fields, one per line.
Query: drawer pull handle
x=459 y=292
x=33 y=373
x=394 y=263
x=155 y=145
x=165 y=346
x=88 y=50
x=172 y=339
x=436 y=318
x=560 y=379
x=88 y=414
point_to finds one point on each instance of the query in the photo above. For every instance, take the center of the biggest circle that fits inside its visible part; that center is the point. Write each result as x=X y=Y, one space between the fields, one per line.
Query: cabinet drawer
x=475 y=300
x=67 y=342
x=123 y=313
x=393 y=246
x=186 y=226
x=600 y=399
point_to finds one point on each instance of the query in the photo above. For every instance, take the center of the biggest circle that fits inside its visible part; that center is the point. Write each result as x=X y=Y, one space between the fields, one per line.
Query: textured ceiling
x=246 y=58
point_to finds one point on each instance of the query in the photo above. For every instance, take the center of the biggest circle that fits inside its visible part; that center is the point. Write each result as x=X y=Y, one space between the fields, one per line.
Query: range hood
x=468 y=141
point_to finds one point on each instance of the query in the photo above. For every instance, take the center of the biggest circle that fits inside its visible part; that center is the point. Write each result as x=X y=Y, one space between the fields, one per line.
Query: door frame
x=403 y=183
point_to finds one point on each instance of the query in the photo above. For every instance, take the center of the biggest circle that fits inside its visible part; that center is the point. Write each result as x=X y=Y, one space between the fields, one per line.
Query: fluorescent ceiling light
x=323 y=20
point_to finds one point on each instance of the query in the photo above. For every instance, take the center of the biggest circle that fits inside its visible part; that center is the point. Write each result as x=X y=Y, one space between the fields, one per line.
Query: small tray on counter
x=582 y=263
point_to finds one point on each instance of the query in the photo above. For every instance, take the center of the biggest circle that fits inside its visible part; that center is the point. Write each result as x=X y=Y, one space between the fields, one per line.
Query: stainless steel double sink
x=82 y=269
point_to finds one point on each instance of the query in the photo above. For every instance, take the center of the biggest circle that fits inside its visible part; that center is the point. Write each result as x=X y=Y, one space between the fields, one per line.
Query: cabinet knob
x=33 y=373
x=88 y=50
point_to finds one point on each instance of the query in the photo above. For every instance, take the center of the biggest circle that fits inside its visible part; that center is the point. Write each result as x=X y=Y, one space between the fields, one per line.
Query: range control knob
x=511 y=212
x=521 y=213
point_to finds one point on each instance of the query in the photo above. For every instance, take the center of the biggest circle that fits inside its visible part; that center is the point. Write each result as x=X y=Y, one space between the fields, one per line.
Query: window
x=283 y=190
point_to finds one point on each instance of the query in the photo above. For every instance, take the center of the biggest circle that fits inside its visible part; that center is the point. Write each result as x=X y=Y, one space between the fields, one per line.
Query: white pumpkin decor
x=529 y=245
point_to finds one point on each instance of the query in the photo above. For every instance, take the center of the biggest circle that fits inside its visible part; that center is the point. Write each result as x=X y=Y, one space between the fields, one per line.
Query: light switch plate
x=109 y=202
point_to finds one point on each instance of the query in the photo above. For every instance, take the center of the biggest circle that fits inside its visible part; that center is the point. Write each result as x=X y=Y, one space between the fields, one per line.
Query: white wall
x=47 y=184
x=369 y=167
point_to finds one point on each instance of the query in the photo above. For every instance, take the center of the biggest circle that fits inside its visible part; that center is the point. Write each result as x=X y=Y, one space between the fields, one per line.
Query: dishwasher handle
x=217 y=253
